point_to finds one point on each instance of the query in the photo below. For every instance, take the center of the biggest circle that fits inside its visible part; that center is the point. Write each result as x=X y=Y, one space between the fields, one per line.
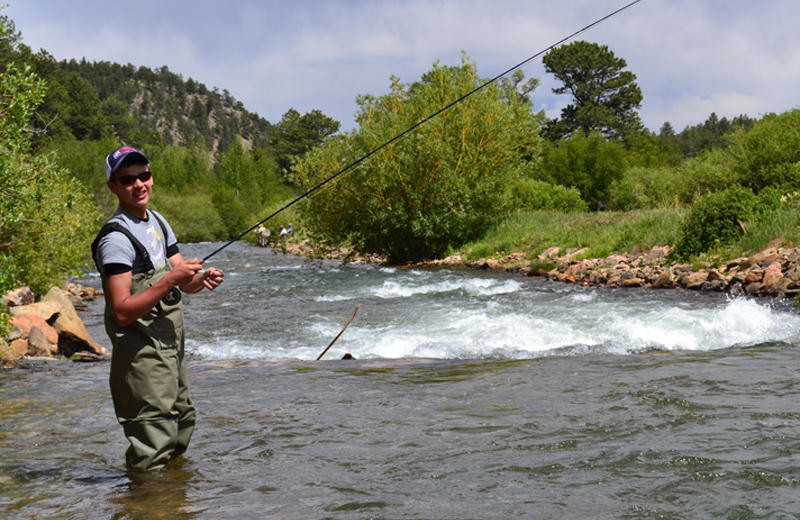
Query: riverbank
x=773 y=271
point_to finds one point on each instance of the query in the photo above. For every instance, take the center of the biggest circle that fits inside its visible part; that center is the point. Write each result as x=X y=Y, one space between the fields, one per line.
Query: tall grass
x=780 y=226
x=602 y=233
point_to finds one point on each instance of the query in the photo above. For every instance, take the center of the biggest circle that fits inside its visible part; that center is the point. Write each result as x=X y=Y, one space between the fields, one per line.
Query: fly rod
x=340 y=333
x=418 y=124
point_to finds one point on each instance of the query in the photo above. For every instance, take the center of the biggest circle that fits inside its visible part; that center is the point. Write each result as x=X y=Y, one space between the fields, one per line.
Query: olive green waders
x=148 y=379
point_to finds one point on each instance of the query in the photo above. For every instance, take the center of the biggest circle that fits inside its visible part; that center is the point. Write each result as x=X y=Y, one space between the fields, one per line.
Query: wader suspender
x=141 y=251
x=174 y=295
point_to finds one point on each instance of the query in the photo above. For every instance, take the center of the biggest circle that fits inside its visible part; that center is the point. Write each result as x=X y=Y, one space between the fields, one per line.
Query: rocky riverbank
x=774 y=272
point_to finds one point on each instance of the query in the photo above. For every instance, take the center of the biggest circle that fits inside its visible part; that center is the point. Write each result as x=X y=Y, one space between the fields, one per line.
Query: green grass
x=609 y=232
x=781 y=226
x=603 y=233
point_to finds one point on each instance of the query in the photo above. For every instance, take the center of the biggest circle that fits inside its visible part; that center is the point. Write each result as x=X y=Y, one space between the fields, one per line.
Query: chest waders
x=148 y=374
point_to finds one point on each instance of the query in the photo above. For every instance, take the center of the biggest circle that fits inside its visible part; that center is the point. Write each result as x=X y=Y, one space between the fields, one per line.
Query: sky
x=690 y=57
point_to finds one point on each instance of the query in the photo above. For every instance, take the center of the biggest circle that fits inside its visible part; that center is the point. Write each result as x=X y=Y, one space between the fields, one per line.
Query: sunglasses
x=127 y=180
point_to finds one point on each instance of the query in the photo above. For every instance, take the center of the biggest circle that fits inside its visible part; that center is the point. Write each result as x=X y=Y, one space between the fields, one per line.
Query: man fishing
x=143 y=276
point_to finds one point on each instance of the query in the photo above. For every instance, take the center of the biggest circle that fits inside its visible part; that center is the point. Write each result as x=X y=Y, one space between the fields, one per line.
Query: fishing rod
x=418 y=124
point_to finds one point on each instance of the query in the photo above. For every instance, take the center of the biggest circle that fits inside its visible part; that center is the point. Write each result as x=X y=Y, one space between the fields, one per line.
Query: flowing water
x=473 y=395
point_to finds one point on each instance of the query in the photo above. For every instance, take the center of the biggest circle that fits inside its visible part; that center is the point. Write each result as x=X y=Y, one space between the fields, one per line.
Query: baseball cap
x=115 y=158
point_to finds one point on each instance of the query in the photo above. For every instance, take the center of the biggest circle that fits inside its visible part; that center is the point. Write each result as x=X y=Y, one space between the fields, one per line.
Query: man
x=143 y=275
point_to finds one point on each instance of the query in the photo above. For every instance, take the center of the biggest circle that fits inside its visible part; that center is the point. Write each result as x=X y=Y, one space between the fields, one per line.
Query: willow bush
x=47 y=218
x=438 y=186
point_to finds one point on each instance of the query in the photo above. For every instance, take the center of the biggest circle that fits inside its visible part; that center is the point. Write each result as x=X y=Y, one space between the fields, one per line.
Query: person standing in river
x=143 y=276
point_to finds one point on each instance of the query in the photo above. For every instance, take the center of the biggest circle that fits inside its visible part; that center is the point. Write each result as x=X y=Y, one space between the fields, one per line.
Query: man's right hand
x=184 y=272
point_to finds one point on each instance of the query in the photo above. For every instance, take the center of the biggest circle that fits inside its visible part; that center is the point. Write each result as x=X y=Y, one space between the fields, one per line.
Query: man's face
x=133 y=192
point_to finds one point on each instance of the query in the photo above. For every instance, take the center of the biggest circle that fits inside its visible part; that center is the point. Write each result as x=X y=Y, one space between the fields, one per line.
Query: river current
x=473 y=394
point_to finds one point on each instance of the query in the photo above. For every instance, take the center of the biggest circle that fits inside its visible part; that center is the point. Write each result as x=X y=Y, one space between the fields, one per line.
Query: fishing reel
x=173 y=297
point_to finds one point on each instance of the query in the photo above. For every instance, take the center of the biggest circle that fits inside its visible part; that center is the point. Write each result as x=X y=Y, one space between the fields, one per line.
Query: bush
x=588 y=163
x=47 y=219
x=435 y=188
x=192 y=216
x=768 y=154
x=641 y=188
x=530 y=194
x=719 y=218
x=705 y=174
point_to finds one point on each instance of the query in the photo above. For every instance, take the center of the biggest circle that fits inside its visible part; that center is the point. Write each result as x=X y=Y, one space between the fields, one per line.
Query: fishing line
x=418 y=124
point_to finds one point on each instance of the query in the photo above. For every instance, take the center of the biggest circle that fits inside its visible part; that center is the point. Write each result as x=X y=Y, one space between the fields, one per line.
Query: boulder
x=19 y=348
x=664 y=280
x=573 y=252
x=22 y=324
x=782 y=287
x=48 y=311
x=549 y=253
x=714 y=285
x=29 y=336
x=39 y=344
x=613 y=260
x=753 y=288
x=72 y=334
x=632 y=282
x=772 y=274
x=695 y=280
x=656 y=254
x=18 y=297
x=753 y=275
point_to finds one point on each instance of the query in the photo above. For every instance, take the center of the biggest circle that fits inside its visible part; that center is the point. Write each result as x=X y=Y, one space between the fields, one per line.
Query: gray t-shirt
x=116 y=248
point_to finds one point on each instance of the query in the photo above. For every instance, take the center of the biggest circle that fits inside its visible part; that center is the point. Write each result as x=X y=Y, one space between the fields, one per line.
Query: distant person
x=289 y=229
x=143 y=276
x=263 y=235
x=284 y=231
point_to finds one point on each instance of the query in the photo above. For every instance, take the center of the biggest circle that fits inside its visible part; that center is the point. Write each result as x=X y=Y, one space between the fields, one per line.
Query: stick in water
x=340 y=333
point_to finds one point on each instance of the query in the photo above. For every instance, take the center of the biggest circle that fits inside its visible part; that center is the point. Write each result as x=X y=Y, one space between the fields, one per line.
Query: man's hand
x=212 y=277
x=184 y=272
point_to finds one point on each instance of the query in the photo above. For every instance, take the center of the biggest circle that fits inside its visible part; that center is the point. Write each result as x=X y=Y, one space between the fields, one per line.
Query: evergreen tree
x=605 y=97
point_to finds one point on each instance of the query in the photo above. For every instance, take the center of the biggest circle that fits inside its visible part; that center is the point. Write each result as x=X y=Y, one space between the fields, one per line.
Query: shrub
x=769 y=153
x=641 y=188
x=588 y=163
x=703 y=175
x=192 y=216
x=718 y=219
x=530 y=194
x=437 y=187
x=47 y=219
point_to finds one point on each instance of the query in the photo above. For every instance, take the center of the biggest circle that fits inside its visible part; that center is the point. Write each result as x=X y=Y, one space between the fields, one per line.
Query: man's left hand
x=212 y=277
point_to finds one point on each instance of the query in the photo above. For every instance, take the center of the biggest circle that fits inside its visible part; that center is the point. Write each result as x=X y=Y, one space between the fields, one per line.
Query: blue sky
x=691 y=57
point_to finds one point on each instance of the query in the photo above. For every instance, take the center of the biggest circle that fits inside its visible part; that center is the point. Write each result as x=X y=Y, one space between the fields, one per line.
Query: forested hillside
x=180 y=111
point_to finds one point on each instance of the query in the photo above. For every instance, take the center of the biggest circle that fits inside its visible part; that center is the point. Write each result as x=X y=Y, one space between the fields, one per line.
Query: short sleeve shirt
x=116 y=248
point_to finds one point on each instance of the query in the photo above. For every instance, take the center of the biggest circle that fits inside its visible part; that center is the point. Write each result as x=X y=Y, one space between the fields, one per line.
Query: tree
x=295 y=135
x=440 y=185
x=605 y=97
x=667 y=130
x=713 y=133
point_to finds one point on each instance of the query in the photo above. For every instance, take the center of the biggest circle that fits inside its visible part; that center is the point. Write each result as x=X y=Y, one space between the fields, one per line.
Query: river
x=473 y=394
